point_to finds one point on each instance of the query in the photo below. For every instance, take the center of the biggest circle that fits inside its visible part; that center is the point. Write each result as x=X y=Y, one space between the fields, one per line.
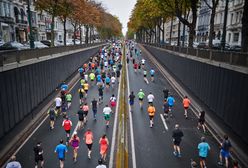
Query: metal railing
x=8 y=57
x=233 y=58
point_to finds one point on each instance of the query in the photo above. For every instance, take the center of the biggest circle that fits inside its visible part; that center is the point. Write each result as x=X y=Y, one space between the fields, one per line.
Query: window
x=229 y=37
x=235 y=37
x=231 y=22
x=221 y=18
x=237 y=17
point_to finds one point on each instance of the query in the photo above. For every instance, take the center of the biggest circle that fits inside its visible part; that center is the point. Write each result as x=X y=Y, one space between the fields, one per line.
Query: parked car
x=202 y=45
x=13 y=45
x=48 y=43
x=195 y=44
x=217 y=46
x=38 y=44
x=235 y=48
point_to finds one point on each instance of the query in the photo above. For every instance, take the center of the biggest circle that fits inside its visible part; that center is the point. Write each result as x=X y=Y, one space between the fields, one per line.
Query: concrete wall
x=23 y=89
x=224 y=91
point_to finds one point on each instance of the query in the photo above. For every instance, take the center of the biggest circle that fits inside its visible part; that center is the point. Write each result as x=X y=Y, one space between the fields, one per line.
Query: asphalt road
x=50 y=139
x=153 y=146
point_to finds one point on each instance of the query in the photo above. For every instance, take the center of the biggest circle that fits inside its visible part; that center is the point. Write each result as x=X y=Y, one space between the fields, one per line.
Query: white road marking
x=163 y=120
x=111 y=160
x=131 y=123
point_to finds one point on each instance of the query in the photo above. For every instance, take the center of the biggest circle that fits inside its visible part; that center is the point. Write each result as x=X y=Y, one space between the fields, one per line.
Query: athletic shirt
x=75 y=142
x=103 y=141
x=68 y=97
x=145 y=72
x=186 y=102
x=152 y=72
x=67 y=124
x=88 y=137
x=151 y=110
x=37 y=150
x=94 y=104
x=107 y=80
x=86 y=86
x=85 y=108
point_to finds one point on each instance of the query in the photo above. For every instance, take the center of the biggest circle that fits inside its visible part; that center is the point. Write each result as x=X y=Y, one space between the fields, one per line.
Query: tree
x=52 y=8
x=213 y=12
x=244 y=42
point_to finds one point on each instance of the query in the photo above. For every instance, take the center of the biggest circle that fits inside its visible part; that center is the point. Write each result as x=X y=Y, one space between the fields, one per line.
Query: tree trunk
x=86 y=34
x=179 y=33
x=211 y=31
x=223 y=39
x=64 y=24
x=52 y=32
x=191 y=35
x=163 y=33
x=74 y=34
x=244 y=40
x=80 y=32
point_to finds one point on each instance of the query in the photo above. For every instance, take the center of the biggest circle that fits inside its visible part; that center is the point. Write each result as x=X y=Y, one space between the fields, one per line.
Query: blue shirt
x=80 y=70
x=64 y=86
x=60 y=150
x=203 y=148
x=107 y=80
x=98 y=78
x=170 y=100
x=152 y=72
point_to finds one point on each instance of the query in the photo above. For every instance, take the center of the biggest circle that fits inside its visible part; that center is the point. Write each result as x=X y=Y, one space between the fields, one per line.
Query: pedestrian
x=104 y=143
x=88 y=137
x=166 y=109
x=186 y=103
x=203 y=149
x=177 y=135
x=131 y=100
x=100 y=164
x=61 y=149
x=80 y=114
x=151 y=111
x=201 y=121
x=94 y=104
x=106 y=112
x=150 y=98
x=13 y=163
x=74 y=142
x=68 y=98
x=166 y=93
x=171 y=102
x=67 y=124
x=51 y=114
x=38 y=155
x=225 y=151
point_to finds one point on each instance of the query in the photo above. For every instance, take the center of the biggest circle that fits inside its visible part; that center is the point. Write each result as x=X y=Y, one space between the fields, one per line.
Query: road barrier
x=229 y=57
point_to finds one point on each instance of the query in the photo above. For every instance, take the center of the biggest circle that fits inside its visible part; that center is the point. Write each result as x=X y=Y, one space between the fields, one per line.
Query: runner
x=86 y=88
x=166 y=93
x=67 y=124
x=80 y=114
x=186 y=103
x=177 y=135
x=68 y=98
x=143 y=63
x=141 y=96
x=103 y=146
x=151 y=111
x=112 y=102
x=74 y=142
x=100 y=93
x=85 y=109
x=152 y=72
x=113 y=79
x=106 y=112
x=135 y=66
x=171 y=102
x=58 y=103
x=150 y=98
x=86 y=77
x=88 y=137
x=81 y=93
x=201 y=121
x=225 y=151
x=94 y=104
x=38 y=155
x=107 y=80
x=145 y=78
x=166 y=109
x=52 y=115
x=131 y=100
x=139 y=66
x=81 y=71
x=61 y=149
x=13 y=163
x=118 y=73
x=203 y=149
x=92 y=77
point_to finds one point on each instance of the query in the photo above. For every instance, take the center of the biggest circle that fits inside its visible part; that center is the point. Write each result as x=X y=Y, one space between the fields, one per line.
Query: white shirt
x=112 y=99
x=143 y=61
x=107 y=110
x=105 y=63
x=150 y=98
x=113 y=79
x=86 y=77
x=58 y=101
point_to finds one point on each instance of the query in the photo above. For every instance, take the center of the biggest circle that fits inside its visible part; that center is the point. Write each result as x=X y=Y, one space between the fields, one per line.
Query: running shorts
x=225 y=154
x=131 y=103
x=177 y=142
x=141 y=99
x=107 y=116
x=89 y=146
x=68 y=131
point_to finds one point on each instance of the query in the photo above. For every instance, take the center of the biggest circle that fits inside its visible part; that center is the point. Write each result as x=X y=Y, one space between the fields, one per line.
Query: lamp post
x=31 y=37
x=223 y=39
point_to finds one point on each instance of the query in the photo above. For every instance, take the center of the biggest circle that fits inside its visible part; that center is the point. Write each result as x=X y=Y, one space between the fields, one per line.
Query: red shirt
x=67 y=125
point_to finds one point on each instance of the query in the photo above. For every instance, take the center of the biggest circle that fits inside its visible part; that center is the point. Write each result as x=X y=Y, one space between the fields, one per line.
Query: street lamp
x=31 y=37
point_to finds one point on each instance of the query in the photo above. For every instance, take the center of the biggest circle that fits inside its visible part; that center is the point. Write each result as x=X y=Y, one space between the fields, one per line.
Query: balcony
x=21 y=21
x=234 y=27
x=6 y=19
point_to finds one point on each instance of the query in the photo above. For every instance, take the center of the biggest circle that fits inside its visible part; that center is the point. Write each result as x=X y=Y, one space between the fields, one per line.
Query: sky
x=121 y=8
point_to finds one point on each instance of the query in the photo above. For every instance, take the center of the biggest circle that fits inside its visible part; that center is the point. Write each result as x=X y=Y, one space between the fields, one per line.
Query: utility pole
x=223 y=39
x=31 y=37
